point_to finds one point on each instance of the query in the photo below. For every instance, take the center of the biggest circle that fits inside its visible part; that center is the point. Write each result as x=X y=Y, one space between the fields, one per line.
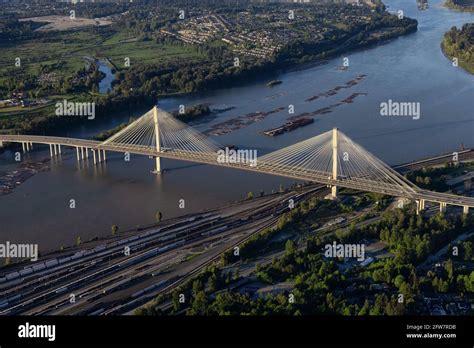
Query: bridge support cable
x=334 y=159
x=157 y=132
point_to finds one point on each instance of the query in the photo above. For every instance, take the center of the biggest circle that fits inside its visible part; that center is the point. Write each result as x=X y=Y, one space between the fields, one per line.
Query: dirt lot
x=61 y=23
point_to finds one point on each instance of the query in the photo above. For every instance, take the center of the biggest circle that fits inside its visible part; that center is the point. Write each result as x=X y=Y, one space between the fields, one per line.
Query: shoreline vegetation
x=187 y=68
x=460 y=5
x=458 y=43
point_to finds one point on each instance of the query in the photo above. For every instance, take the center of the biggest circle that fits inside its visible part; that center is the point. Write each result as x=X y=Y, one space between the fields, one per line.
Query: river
x=407 y=69
x=105 y=85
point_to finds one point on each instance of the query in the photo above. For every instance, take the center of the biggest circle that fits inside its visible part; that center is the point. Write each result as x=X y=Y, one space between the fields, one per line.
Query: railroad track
x=91 y=273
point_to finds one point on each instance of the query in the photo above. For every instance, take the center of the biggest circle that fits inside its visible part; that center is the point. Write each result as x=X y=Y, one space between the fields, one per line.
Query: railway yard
x=115 y=277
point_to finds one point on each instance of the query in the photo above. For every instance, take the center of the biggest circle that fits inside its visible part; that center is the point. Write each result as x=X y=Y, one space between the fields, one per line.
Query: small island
x=193 y=113
x=459 y=43
x=274 y=83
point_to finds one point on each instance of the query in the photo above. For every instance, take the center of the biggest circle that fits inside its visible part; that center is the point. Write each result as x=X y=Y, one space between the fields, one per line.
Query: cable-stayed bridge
x=330 y=158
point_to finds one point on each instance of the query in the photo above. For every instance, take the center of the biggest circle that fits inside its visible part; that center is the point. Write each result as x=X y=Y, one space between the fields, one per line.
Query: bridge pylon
x=157 y=139
x=334 y=162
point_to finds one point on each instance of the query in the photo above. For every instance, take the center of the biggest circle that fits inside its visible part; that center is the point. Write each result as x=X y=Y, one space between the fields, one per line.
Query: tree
x=114 y=230
x=200 y=304
x=197 y=287
x=449 y=267
x=406 y=291
x=158 y=216
x=399 y=280
x=290 y=248
x=365 y=308
x=213 y=283
x=175 y=301
x=467 y=250
x=236 y=274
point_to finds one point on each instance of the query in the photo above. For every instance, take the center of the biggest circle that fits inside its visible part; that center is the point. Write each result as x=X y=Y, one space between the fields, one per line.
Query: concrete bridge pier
x=59 y=148
x=158 y=164
x=442 y=207
x=77 y=152
x=53 y=149
x=98 y=152
x=1 y=143
x=31 y=145
x=105 y=158
x=87 y=152
x=28 y=146
x=82 y=152
x=23 y=146
x=420 y=206
x=93 y=154
x=465 y=209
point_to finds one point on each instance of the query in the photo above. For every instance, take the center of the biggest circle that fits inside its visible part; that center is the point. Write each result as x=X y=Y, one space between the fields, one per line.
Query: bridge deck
x=360 y=184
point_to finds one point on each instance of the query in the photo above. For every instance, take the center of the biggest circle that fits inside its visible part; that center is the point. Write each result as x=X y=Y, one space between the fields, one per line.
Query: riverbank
x=460 y=5
x=304 y=55
x=455 y=38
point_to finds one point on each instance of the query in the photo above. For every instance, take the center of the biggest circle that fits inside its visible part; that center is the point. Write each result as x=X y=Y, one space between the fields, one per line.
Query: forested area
x=320 y=286
x=463 y=5
x=459 y=44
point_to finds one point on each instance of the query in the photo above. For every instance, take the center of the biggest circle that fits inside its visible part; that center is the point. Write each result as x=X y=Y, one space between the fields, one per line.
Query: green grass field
x=66 y=50
x=118 y=47
x=63 y=55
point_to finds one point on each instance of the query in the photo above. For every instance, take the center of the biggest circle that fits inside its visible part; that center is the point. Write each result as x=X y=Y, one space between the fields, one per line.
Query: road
x=441 y=160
